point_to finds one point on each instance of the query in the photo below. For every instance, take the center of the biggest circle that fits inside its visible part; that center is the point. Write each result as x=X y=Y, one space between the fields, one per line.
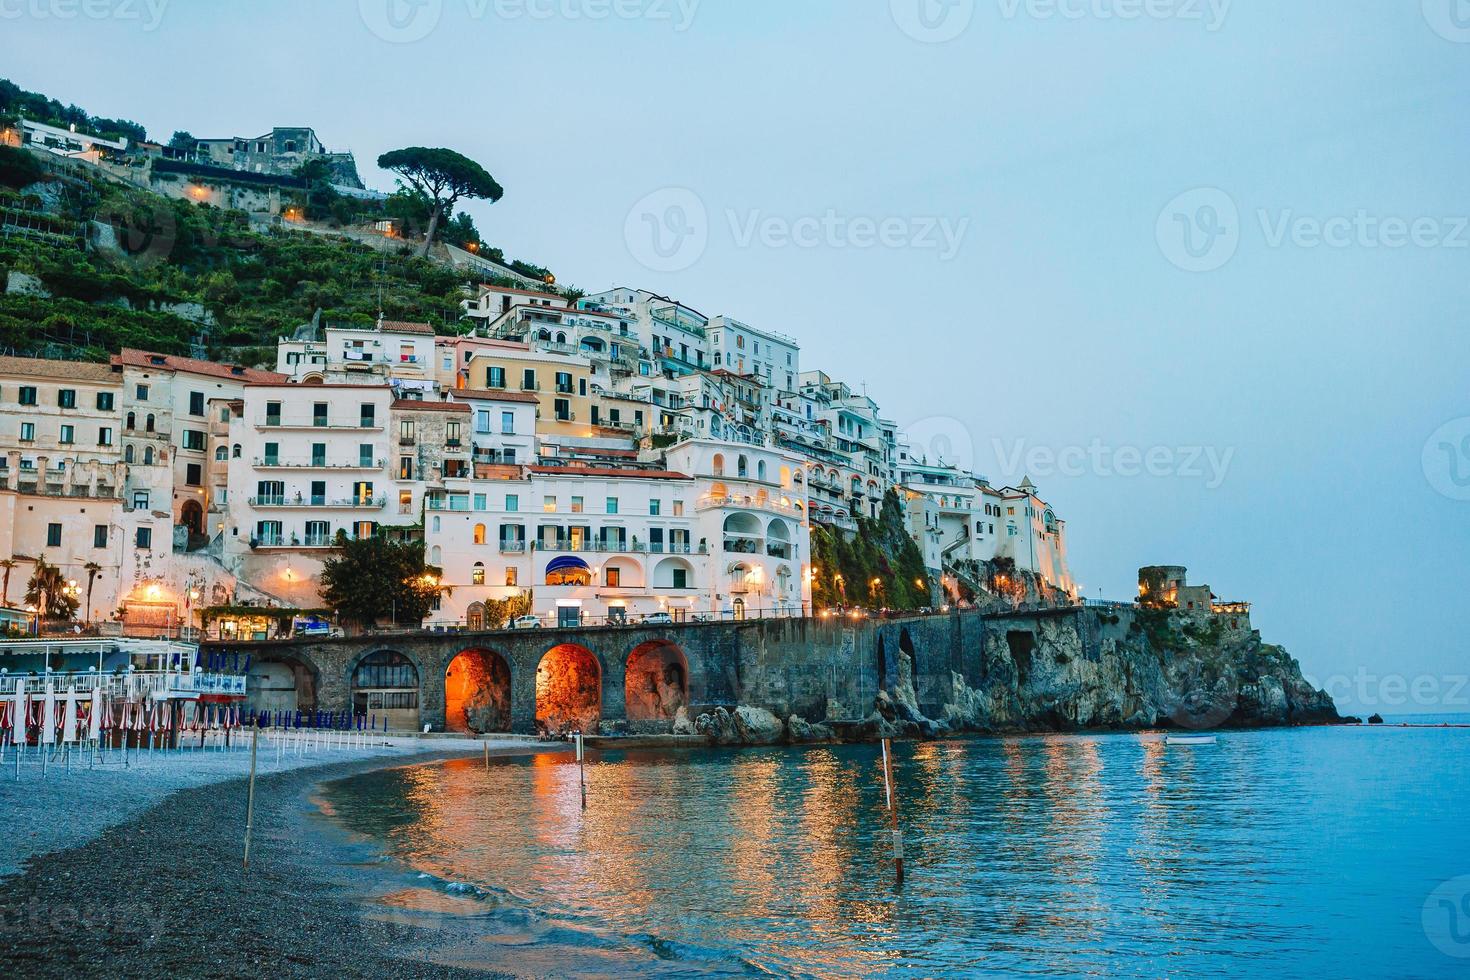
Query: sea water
x=1306 y=852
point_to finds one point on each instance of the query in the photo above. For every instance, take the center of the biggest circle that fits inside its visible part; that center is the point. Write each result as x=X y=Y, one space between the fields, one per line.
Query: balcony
x=712 y=502
x=280 y=422
x=317 y=463
x=302 y=502
x=512 y=547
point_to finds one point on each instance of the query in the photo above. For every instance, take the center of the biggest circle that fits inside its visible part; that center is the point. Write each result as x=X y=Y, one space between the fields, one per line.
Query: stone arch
x=568 y=690
x=665 y=574
x=474 y=617
x=627 y=571
x=286 y=683
x=655 y=681
x=477 y=692
x=717 y=465
x=191 y=515
x=386 y=684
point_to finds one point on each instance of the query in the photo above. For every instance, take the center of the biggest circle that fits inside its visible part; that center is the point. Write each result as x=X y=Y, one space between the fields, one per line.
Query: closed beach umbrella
x=69 y=716
x=48 y=717
x=94 y=717
x=18 y=713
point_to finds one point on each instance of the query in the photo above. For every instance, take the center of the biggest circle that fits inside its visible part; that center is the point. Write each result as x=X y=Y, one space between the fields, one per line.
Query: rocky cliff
x=1122 y=669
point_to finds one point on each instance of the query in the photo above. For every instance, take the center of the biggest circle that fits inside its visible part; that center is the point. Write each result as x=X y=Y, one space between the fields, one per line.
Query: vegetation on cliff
x=879 y=566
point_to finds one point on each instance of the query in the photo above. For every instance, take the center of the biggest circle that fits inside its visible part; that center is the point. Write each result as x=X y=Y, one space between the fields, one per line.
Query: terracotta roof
x=607 y=471
x=40 y=367
x=521 y=292
x=414 y=405
x=132 y=357
x=496 y=395
x=402 y=326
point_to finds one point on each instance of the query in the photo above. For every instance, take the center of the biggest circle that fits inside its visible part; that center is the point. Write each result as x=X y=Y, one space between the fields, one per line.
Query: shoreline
x=162 y=892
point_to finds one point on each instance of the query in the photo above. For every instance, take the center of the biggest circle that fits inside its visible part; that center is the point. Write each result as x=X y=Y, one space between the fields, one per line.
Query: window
x=612 y=505
x=99 y=536
x=653 y=507
x=104 y=401
x=481 y=502
x=196 y=403
x=365 y=455
x=510 y=575
x=149 y=423
x=68 y=435
x=482 y=421
x=563 y=410
x=528 y=380
x=548 y=504
x=681 y=578
x=613 y=576
x=319 y=414
x=27 y=395
x=66 y=398
x=194 y=475
x=678 y=508
x=318 y=454
x=28 y=432
x=104 y=436
x=405 y=501
x=405 y=467
x=512 y=503
x=141 y=392
x=53 y=535
x=132 y=421
x=564 y=382
x=495 y=377
x=144 y=539
x=576 y=505
x=507 y=423
x=221 y=454
x=140 y=500
x=368 y=417
x=194 y=439
x=451 y=434
x=405 y=432
x=272 y=453
x=477 y=574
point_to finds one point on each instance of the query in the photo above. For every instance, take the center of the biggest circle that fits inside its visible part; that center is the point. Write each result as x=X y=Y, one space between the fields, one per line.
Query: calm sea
x=1312 y=852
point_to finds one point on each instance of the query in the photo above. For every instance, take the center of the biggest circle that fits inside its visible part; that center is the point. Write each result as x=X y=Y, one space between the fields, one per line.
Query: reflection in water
x=1042 y=855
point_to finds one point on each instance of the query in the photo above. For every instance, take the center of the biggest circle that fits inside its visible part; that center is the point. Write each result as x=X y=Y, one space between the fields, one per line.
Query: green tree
x=47 y=592
x=91 y=568
x=444 y=177
x=18 y=168
x=6 y=564
x=182 y=139
x=374 y=578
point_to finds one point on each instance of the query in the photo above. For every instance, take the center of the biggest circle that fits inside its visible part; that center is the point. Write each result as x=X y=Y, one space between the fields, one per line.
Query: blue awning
x=566 y=563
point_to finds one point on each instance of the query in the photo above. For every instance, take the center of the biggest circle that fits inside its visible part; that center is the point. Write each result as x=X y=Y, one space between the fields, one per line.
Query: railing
x=712 y=501
x=512 y=547
x=356 y=503
x=132 y=685
x=275 y=463
x=277 y=422
x=495 y=456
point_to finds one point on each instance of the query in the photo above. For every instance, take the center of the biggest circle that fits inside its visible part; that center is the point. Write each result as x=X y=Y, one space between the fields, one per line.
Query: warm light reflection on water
x=1047 y=855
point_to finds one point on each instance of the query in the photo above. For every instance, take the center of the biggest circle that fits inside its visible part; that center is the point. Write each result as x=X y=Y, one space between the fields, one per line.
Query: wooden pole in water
x=891 y=800
x=250 y=793
x=487 y=755
x=582 y=769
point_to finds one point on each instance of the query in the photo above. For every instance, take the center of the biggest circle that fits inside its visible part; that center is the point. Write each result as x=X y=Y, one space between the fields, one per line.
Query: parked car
x=526 y=623
x=658 y=619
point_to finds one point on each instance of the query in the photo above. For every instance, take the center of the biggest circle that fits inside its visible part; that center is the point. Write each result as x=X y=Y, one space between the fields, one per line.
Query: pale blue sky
x=1056 y=141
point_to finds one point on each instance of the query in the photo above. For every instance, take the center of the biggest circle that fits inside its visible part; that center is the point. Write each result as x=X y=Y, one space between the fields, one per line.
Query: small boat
x=1190 y=739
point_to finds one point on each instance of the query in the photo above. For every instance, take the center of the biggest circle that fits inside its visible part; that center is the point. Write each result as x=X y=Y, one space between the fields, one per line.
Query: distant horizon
x=1151 y=263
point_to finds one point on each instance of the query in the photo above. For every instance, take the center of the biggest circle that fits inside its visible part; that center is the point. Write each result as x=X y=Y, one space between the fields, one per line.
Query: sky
x=1198 y=267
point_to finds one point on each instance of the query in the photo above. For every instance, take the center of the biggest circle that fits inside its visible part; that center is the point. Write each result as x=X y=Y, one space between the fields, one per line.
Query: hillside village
x=577 y=458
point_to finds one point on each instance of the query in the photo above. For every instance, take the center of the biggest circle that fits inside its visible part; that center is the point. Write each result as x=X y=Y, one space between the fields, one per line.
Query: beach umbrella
x=18 y=714
x=94 y=716
x=48 y=717
x=69 y=716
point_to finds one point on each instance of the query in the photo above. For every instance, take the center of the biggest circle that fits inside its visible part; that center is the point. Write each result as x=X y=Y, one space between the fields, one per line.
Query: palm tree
x=47 y=592
x=91 y=568
x=7 y=564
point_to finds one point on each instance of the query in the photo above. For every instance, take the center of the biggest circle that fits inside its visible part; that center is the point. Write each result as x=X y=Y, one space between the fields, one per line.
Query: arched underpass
x=568 y=690
x=477 y=692
x=656 y=682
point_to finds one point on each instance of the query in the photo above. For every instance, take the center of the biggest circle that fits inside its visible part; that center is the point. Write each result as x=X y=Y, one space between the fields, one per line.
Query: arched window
x=222 y=454
x=147 y=455
x=235 y=451
x=436 y=555
x=742 y=466
x=148 y=423
x=760 y=470
x=561 y=338
x=477 y=574
x=128 y=453
x=132 y=420
x=479 y=534
x=436 y=524
x=717 y=465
